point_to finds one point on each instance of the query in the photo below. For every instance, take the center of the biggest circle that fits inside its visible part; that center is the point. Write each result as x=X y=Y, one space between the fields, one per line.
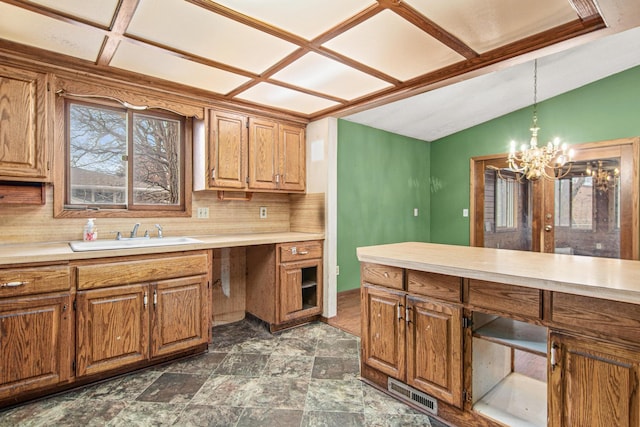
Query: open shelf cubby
x=500 y=390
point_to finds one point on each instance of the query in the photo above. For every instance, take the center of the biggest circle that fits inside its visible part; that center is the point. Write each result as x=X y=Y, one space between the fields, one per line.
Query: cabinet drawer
x=383 y=275
x=516 y=300
x=435 y=285
x=611 y=318
x=137 y=271
x=300 y=250
x=35 y=280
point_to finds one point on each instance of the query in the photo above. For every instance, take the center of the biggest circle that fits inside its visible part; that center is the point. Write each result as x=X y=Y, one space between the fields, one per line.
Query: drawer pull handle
x=12 y=284
x=303 y=252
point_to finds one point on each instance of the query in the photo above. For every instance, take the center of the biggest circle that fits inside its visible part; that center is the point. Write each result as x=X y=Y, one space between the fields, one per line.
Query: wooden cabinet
x=228 y=150
x=592 y=383
x=434 y=348
x=284 y=283
x=413 y=339
x=276 y=156
x=36 y=320
x=24 y=129
x=112 y=328
x=252 y=154
x=121 y=323
x=383 y=330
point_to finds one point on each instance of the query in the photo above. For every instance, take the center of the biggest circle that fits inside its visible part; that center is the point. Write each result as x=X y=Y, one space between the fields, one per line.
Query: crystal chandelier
x=535 y=162
x=601 y=177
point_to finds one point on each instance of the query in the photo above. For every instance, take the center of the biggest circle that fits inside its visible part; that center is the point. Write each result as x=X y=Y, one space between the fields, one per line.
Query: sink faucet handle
x=159 y=227
x=118 y=235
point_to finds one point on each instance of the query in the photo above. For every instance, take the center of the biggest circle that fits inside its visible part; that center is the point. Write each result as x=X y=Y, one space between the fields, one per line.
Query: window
x=574 y=203
x=122 y=159
x=506 y=203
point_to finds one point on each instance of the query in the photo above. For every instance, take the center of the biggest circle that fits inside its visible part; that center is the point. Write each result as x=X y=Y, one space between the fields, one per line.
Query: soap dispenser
x=90 y=230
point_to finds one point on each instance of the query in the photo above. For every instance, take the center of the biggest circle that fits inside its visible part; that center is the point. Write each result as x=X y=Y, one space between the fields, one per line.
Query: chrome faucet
x=159 y=227
x=135 y=230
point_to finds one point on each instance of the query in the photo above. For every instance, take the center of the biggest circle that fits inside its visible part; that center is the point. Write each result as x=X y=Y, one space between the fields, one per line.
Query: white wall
x=322 y=160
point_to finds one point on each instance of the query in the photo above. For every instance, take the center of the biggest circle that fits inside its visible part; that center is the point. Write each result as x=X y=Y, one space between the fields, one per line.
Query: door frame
x=627 y=149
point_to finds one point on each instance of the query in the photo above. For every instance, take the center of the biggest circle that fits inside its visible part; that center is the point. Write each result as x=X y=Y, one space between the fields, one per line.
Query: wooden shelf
x=515 y=334
x=309 y=284
x=517 y=400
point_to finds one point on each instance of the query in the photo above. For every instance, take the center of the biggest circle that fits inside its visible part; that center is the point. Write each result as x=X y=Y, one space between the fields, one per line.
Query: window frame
x=64 y=210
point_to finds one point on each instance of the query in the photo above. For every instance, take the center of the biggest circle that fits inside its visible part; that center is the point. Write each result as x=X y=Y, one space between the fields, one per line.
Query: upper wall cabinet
x=253 y=154
x=24 y=154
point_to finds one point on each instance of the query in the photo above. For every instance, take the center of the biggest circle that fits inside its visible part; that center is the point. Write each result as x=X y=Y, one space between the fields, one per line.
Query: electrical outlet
x=337 y=270
x=263 y=212
x=203 y=212
x=415 y=211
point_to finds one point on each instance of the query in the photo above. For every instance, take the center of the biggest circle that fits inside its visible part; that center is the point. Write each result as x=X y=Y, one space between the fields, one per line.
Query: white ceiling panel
x=287 y=99
x=307 y=18
x=304 y=58
x=154 y=62
x=17 y=25
x=488 y=24
x=191 y=28
x=394 y=46
x=321 y=74
x=98 y=11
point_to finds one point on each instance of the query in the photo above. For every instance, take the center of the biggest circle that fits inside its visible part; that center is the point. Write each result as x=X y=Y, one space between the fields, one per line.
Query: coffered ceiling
x=307 y=58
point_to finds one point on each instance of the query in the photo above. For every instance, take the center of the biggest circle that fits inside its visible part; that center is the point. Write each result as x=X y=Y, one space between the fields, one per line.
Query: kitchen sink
x=138 y=242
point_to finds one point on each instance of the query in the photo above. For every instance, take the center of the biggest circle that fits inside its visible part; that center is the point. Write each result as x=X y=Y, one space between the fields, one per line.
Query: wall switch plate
x=465 y=212
x=415 y=211
x=263 y=212
x=203 y=213
x=337 y=270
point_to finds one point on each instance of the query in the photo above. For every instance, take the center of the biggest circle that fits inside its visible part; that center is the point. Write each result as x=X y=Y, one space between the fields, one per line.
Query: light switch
x=465 y=212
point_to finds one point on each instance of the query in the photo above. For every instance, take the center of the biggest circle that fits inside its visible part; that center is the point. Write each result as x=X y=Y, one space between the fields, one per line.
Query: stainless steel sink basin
x=140 y=242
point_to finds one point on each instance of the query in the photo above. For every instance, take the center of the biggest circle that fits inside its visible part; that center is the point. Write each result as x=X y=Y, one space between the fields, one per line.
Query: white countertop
x=61 y=251
x=606 y=278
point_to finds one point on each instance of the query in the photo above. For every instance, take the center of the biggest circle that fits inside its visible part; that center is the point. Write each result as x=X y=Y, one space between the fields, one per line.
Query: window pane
x=97 y=144
x=156 y=160
x=582 y=203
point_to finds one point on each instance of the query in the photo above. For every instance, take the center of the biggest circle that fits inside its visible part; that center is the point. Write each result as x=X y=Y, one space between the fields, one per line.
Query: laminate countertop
x=61 y=251
x=605 y=278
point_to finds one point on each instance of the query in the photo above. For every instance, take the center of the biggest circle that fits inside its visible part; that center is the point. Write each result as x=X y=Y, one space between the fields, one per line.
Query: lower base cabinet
x=593 y=383
x=415 y=340
x=120 y=323
x=284 y=283
x=35 y=332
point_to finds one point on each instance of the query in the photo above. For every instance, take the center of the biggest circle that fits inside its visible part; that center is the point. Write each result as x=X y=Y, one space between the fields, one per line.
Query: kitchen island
x=456 y=331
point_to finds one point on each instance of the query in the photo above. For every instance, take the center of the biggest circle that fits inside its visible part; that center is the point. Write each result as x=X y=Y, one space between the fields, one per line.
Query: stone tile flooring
x=306 y=376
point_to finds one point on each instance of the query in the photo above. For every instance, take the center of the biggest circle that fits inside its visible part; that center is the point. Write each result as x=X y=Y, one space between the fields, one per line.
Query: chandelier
x=601 y=178
x=533 y=161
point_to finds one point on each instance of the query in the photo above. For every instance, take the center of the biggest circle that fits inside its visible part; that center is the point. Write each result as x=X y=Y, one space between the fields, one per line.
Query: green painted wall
x=382 y=177
x=603 y=110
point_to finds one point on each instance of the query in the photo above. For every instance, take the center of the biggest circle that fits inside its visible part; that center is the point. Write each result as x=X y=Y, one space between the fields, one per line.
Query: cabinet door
x=263 y=154
x=228 y=150
x=179 y=318
x=592 y=383
x=292 y=158
x=434 y=349
x=23 y=125
x=383 y=330
x=35 y=343
x=112 y=328
x=300 y=289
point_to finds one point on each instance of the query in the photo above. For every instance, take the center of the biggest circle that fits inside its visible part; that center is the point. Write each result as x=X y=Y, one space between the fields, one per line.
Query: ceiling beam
x=119 y=25
x=428 y=26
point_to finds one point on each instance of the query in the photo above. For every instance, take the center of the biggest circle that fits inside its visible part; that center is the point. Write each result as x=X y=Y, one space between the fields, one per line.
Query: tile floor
x=306 y=376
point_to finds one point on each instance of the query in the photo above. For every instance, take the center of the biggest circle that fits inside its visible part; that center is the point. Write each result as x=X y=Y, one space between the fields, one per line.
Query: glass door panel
x=587 y=209
x=593 y=210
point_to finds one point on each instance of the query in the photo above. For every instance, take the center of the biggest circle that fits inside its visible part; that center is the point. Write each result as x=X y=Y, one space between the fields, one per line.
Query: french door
x=592 y=210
